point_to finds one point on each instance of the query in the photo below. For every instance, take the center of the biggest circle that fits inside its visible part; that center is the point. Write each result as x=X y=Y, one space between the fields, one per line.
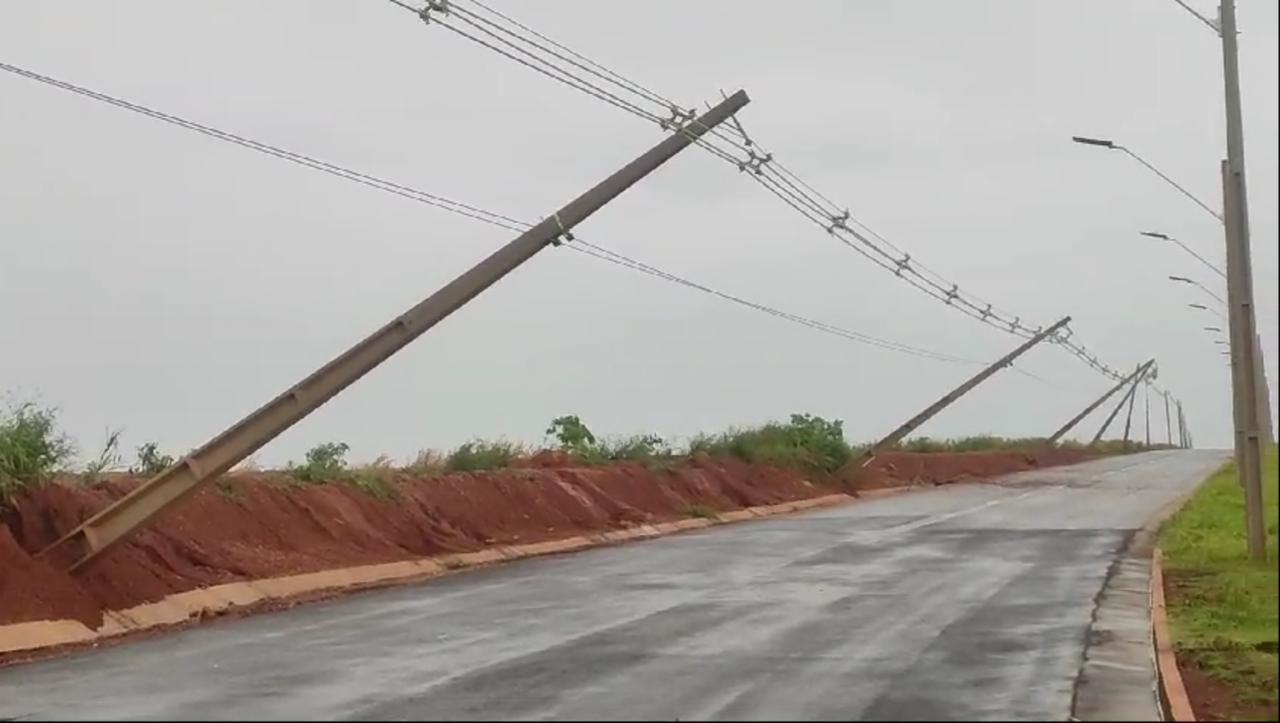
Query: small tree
x=325 y=462
x=573 y=435
x=150 y=461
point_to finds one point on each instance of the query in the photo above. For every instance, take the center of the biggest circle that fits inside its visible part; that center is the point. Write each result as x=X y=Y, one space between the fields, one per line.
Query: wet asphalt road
x=962 y=602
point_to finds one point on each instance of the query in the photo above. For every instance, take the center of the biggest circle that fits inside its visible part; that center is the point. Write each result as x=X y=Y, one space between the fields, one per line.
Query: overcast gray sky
x=166 y=283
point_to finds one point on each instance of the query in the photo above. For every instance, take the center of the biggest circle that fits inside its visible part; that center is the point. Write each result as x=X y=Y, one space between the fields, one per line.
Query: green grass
x=699 y=511
x=31 y=447
x=1222 y=607
x=991 y=443
x=805 y=442
x=481 y=454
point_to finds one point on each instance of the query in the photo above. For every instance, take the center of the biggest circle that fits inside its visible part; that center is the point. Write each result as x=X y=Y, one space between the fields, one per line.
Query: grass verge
x=1222 y=607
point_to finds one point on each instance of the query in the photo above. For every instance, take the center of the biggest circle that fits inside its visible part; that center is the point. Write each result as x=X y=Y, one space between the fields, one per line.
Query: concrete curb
x=1173 y=693
x=1120 y=676
x=195 y=604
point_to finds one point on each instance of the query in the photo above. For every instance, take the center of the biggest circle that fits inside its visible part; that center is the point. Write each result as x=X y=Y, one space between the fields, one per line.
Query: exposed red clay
x=253 y=526
x=890 y=469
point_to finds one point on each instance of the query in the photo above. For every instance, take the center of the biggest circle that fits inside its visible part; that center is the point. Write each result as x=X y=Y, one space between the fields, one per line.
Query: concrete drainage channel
x=1129 y=672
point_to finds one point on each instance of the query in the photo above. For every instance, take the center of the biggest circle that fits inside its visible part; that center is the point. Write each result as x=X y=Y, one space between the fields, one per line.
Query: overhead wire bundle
x=483 y=215
x=482 y=24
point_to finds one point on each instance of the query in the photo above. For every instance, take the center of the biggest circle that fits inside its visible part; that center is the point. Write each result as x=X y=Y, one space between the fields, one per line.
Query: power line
x=480 y=214
x=778 y=179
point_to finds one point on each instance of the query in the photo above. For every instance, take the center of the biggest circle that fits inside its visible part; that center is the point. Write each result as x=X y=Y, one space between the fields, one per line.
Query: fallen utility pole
x=108 y=527
x=1053 y=439
x=1138 y=375
x=912 y=424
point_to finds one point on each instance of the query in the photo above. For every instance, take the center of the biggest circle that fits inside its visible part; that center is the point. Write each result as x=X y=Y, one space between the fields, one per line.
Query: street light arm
x=1212 y=25
x=1200 y=258
x=1198 y=285
x=1206 y=290
x=1171 y=182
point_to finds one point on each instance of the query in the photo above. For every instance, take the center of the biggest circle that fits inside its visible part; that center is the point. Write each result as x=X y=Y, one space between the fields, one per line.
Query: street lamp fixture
x=1094 y=141
x=1108 y=143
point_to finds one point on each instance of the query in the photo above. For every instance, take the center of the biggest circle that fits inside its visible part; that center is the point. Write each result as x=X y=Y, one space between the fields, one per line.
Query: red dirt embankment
x=256 y=526
x=891 y=469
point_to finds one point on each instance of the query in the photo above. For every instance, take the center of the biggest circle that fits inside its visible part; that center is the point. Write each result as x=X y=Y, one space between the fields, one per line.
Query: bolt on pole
x=1137 y=377
x=912 y=424
x=108 y=527
x=1053 y=438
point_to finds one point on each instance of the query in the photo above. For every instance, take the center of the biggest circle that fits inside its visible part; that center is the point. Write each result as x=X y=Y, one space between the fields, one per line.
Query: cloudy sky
x=162 y=282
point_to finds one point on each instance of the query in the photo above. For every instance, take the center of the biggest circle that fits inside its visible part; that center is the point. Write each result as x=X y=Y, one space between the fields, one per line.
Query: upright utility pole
x=1128 y=419
x=1146 y=405
x=912 y=424
x=1240 y=283
x=1182 y=426
x=1245 y=371
x=1265 y=426
x=126 y=515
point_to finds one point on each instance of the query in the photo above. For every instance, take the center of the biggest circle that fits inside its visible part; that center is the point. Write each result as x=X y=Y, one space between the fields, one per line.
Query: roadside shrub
x=974 y=443
x=428 y=463
x=325 y=462
x=806 y=442
x=376 y=479
x=480 y=454
x=109 y=459
x=574 y=436
x=150 y=461
x=31 y=447
x=640 y=447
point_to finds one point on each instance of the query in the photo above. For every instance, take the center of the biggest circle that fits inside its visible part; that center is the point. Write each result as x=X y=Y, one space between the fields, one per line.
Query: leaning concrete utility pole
x=1137 y=378
x=1168 y=420
x=910 y=425
x=1053 y=438
x=111 y=525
